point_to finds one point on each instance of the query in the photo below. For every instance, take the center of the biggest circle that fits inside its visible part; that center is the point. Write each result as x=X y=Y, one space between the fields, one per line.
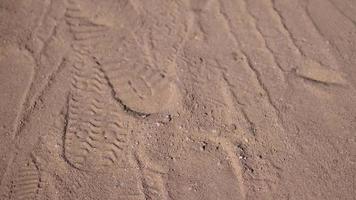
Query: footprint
x=111 y=68
x=153 y=176
x=96 y=135
x=141 y=82
x=26 y=181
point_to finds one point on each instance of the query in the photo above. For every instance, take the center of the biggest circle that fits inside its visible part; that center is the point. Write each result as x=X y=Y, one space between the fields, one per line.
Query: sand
x=177 y=99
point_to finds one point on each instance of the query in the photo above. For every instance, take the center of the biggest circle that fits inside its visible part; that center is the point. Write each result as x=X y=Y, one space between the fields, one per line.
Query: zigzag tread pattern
x=138 y=83
x=26 y=183
x=96 y=136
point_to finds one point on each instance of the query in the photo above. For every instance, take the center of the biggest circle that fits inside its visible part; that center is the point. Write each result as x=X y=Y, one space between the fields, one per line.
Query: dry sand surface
x=177 y=99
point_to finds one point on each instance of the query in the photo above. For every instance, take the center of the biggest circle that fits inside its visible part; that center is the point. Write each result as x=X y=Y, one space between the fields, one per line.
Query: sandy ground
x=177 y=99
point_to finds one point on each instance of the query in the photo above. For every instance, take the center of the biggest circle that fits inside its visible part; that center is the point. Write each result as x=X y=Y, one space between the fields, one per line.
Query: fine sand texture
x=177 y=99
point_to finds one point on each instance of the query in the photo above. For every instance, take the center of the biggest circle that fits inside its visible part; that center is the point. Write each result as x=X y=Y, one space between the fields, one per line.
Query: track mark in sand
x=151 y=178
x=228 y=148
x=137 y=83
x=314 y=71
x=153 y=185
x=96 y=135
x=204 y=79
x=26 y=182
x=139 y=86
x=247 y=55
